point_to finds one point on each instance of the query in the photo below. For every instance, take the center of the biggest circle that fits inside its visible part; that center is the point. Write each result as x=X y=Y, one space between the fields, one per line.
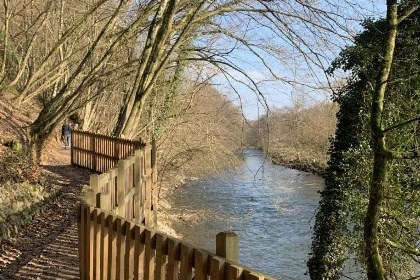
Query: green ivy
x=338 y=229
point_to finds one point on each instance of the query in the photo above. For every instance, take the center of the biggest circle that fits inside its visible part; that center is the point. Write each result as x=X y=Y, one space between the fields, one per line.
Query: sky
x=302 y=80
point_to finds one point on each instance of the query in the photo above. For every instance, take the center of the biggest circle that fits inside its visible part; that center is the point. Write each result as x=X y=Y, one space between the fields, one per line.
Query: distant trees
x=201 y=136
x=373 y=177
x=69 y=54
x=299 y=135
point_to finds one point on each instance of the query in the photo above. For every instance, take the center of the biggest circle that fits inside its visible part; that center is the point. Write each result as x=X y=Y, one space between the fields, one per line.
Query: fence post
x=104 y=201
x=148 y=187
x=227 y=246
x=94 y=185
x=71 y=147
x=93 y=151
x=137 y=184
x=121 y=187
x=154 y=183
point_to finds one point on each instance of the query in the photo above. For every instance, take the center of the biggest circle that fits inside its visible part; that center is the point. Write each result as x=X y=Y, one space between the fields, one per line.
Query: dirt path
x=47 y=247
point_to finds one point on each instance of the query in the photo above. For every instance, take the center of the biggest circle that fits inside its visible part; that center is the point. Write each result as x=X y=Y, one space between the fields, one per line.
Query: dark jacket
x=66 y=129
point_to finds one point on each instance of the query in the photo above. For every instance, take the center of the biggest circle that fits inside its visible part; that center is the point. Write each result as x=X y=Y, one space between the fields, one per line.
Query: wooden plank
x=217 y=270
x=94 y=185
x=104 y=247
x=85 y=148
x=116 y=149
x=137 y=185
x=149 y=254
x=255 y=276
x=104 y=201
x=81 y=221
x=94 y=156
x=173 y=257
x=128 y=196
x=121 y=187
x=71 y=147
x=89 y=242
x=112 y=248
x=234 y=272
x=129 y=251
x=120 y=249
x=200 y=265
x=227 y=246
x=148 y=191
x=138 y=253
x=186 y=262
x=161 y=251
x=154 y=182
x=97 y=244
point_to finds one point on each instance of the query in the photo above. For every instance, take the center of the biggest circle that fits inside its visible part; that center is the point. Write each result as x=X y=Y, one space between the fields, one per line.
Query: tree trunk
x=375 y=268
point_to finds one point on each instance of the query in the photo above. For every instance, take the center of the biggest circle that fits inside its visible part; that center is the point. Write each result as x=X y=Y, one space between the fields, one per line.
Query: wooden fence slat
x=129 y=251
x=99 y=152
x=97 y=244
x=139 y=253
x=200 y=265
x=217 y=271
x=149 y=255
x=120 y=249
x=255 y=276
x=173 y=257
x=82 y=240
x=234 y=272
x=154 y=183
x=112 y=248
x=186 y=262
x=161 y=251
x=89 y=242
x=121 y=187
x=104 y=246
x=148 y=172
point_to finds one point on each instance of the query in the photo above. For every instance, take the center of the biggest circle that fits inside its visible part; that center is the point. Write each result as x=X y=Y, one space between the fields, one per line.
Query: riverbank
x=167 y=218
x=314 y=168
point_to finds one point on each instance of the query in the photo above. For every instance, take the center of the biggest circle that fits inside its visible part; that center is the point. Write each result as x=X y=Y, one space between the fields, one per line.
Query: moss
x=20 y=203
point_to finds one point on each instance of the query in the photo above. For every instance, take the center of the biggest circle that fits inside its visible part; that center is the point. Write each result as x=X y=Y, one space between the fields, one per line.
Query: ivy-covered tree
x=375 y=220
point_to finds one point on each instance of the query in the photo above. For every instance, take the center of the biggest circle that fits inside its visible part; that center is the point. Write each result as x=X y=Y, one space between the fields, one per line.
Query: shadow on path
x=47 y=248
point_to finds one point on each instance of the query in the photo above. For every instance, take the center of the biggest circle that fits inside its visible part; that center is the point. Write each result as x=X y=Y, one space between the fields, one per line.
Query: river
x=270 y=207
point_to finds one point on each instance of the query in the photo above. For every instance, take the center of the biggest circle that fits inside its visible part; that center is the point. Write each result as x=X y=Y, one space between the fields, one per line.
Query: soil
x=47 y=247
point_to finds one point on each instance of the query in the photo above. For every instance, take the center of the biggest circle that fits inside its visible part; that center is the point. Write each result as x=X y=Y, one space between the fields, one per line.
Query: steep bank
x=314 y=168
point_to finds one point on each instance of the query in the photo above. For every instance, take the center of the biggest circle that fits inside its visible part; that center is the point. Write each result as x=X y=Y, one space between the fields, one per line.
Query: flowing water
x=270 y=207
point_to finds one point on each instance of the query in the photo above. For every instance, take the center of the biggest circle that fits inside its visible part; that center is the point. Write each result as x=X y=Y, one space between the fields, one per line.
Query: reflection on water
x=271 y=210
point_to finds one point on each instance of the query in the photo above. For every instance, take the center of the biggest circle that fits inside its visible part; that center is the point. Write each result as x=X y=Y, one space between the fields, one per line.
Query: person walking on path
x=66 y=134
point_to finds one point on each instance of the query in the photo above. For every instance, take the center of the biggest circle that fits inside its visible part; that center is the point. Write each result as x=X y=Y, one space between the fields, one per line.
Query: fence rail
x=111 y=247
x=129 y=189
x=99 y=152
x=115 y=241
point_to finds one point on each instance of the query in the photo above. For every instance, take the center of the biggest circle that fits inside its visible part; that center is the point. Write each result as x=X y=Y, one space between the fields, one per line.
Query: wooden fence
x=99 y=152
x=111 y=247
x=115 y=240
x=129 y=189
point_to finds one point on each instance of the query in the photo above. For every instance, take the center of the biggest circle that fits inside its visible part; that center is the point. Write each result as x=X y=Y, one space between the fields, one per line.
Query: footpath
x=47 y=247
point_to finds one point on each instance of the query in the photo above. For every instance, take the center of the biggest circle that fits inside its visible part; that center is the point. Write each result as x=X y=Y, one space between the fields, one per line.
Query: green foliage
x=345 y=197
